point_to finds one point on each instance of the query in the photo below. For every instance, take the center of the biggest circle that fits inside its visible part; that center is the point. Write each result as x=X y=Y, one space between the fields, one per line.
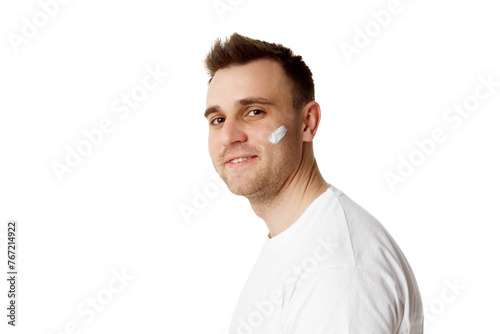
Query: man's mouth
x=239 y=160
x=235 y=161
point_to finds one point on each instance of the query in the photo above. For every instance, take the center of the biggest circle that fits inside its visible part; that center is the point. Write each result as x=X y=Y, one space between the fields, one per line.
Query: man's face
x=245 y=104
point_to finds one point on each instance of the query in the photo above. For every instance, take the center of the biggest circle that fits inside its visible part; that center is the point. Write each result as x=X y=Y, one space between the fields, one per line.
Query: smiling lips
x=239 y=160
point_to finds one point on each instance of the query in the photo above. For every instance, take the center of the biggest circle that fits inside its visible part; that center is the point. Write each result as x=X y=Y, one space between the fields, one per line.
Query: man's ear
x=311 y=115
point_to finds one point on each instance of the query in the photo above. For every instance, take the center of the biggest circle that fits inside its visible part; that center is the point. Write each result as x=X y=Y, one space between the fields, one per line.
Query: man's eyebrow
x=211 y=110
x=242 y=102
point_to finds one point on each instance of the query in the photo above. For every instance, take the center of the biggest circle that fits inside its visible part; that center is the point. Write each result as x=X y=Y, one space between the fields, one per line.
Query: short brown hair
x=239 y=50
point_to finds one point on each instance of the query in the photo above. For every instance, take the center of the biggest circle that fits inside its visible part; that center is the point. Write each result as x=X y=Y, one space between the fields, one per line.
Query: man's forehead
x=261 y=78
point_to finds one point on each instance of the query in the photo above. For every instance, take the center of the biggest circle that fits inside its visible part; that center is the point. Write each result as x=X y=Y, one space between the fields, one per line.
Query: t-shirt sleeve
x=344 y=300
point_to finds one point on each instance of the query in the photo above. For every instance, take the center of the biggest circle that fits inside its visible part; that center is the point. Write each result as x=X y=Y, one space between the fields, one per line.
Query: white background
x=120 y=208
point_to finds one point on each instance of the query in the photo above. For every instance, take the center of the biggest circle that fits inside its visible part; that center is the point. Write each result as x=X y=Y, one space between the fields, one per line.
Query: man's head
x=255 y=88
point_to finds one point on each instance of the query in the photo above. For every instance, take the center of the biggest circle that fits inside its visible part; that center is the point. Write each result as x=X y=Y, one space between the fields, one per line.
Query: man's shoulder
x=359 y=240
x=362 y=254
x=367 y=235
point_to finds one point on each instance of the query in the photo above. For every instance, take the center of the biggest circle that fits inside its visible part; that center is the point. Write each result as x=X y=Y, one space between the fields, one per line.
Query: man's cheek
x=212 y=147
x=277 y=135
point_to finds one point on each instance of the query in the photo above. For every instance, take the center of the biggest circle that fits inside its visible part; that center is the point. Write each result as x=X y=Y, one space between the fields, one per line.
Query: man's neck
x=294 y=198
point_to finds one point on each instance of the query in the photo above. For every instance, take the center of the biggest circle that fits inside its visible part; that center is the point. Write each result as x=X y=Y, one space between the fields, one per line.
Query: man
x=327 y=266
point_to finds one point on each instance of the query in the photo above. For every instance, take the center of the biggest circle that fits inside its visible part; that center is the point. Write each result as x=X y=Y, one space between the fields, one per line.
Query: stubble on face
x=274 y=167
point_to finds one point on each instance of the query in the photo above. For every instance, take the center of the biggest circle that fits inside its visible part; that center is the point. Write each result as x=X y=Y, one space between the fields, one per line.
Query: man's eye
x=256 y=112
x=217 y=120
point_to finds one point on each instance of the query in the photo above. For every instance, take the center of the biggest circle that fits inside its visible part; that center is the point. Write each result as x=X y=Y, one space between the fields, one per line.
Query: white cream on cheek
x=277 y=135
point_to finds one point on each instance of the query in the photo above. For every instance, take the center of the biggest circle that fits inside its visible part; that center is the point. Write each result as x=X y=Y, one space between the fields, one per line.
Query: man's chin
x=241 y=187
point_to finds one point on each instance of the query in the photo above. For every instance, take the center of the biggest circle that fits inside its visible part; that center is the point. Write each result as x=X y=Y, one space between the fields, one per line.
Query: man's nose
x=232 y=131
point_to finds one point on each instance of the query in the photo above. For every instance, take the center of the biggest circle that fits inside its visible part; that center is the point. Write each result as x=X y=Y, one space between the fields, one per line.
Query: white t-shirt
x=335 y=270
